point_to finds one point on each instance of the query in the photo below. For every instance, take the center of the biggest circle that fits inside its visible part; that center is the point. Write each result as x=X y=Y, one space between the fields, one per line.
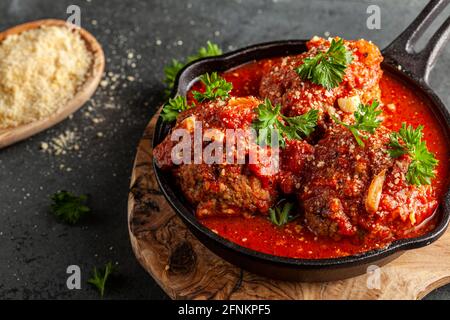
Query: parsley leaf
x=366 y=119
x=327 y=68
x=172 y=109
x=269 y=122
x=100 y=277
x=280 y=216
x=172 y=69
x=301 y=126
x=68 y=207
x=215 y=87
x=409 y=141
x=171 y=72
x=210 y=50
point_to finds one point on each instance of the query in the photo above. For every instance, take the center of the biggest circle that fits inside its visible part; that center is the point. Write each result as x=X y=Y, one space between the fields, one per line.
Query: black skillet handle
x=401 y=50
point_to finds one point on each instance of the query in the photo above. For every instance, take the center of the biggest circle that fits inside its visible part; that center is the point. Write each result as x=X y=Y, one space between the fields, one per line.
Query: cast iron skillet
x=415 y=68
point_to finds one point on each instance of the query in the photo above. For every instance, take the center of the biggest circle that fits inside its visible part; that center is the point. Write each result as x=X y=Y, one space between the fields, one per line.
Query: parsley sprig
x=171 y=72
x=210 y=50
x=366 y=119
x=301 y=126
x=409 y=141
x=172 y=69
x=271 y=121
x=100 y=276
x=327 y=68
x=216 y=87
x=68 y=207
x=173 y=107
x=279 y=216
x=268 y=123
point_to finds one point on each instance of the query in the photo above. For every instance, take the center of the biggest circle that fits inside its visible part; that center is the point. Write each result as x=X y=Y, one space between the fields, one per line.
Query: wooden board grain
x=185 y=269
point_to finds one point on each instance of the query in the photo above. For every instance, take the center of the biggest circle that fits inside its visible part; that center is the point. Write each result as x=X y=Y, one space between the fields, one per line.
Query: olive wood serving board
x=12 y=135
x=185 y=269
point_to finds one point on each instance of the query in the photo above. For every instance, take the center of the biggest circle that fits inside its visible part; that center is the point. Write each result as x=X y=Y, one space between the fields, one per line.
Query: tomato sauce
x=296 y=241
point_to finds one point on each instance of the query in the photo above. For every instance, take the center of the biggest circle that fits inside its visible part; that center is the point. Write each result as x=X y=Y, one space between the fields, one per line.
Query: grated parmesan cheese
x=40 y=71
x=61 y=144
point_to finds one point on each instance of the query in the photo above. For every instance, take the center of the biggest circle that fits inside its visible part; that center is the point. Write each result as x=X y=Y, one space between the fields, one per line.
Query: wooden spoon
x=14 y=134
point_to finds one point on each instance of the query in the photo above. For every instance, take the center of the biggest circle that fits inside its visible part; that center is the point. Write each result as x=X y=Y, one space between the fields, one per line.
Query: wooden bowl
x=14 y=134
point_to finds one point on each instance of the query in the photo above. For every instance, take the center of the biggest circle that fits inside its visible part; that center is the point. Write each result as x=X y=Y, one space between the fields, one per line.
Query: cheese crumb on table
x=61 y=144
x=40 y=71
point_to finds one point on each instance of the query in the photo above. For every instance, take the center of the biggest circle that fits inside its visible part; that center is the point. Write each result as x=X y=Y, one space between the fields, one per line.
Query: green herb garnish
x=269 y=122
x=216 y=87
x=210 y=50
x=172 y=70
x=409 y=141
x=301 y=126
x=68 y=207
x=172 y=109
x=366 y=119
x=327 y=68
x=280 y=216
x=100 y=276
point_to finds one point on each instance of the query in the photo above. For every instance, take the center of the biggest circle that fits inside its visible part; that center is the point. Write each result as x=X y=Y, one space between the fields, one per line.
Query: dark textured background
x=35 y=250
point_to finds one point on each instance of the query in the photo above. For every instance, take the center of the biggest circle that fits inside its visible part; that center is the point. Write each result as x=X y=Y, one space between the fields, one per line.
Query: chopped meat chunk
x=294 y=158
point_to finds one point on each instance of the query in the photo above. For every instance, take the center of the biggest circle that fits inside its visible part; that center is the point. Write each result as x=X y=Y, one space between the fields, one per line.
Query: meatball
x=337 y=180
x=352 y=190
x=222 y=188
x=360 y=84
x=235 y=113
